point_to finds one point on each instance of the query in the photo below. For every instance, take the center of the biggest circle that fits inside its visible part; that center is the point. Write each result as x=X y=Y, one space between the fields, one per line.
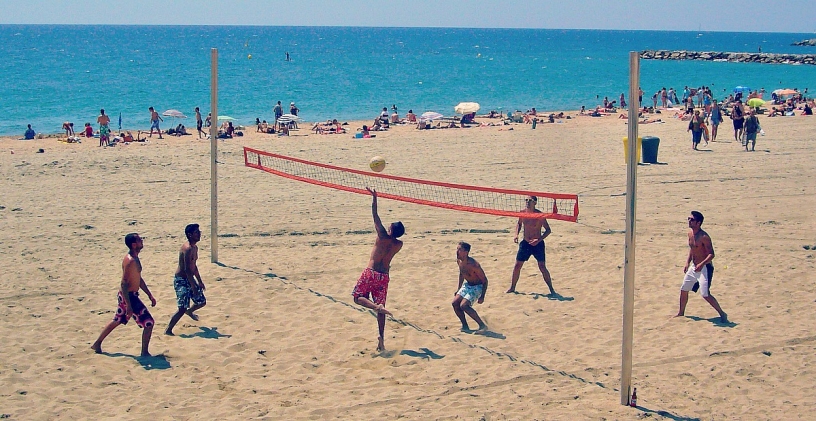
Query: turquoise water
x=56 y=73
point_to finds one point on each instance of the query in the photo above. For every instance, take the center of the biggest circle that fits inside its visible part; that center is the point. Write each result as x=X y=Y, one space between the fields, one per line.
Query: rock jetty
x=806 y=43
x=768 y=58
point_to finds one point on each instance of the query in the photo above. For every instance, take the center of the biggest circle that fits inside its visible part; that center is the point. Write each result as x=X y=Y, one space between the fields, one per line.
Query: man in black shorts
x=532 y=244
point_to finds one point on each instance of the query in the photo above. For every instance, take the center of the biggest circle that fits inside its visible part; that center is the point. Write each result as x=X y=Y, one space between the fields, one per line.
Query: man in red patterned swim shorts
x=129 y=303
x=373 y=282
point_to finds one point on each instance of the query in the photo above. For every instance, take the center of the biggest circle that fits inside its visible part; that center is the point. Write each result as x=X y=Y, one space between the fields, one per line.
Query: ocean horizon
x=56 y=73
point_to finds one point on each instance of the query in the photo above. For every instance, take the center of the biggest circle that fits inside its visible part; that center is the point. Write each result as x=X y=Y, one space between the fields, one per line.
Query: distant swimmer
x=130 y=306
x=531 y=244
x=472 y=288
x=287 y=56
x=372 y=287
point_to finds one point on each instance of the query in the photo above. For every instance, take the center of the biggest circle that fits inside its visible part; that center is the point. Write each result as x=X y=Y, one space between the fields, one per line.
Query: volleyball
x=377 y=163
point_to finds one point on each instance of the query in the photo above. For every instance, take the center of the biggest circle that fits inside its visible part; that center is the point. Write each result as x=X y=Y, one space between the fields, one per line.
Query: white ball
x=377 y=164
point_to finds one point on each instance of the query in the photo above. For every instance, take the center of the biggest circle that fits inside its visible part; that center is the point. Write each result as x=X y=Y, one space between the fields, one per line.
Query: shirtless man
x=187 y=281
x=199 y=123
x=104 y=129
x=154 y=122
x=129 y=303
x=474 y=289
x=532 y=244
x=701 y=253
x=374 y=279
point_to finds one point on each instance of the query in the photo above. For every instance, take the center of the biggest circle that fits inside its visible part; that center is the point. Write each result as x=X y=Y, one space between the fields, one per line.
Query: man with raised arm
x=532 y=244
x=129 y=303
x=372 y=287
x=699 y=275
x=187 y=281
x=472 y=288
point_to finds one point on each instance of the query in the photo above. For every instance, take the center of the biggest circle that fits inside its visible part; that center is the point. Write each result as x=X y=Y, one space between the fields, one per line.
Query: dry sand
x=282 y=339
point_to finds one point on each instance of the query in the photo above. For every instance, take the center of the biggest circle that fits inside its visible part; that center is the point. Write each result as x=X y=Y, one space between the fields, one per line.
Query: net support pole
x=214 y=155
x=629 y=242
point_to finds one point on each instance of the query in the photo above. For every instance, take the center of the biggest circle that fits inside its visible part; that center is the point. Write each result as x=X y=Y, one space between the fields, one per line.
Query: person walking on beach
x=472 y=287
x=129 y=303
x=696 y=128
x=199 y=123
x=751 y=130
x=187 y=281
x=154 y=122
x=716 y=118
x=738 y=118
x=104 y=128
x=374 y=280
x=700 y=274
x=532 y=244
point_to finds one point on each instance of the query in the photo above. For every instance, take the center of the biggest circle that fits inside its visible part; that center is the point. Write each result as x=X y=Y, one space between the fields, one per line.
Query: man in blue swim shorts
x=472 y=288
x=187 y=281
x=154 y=122
x=532 y=244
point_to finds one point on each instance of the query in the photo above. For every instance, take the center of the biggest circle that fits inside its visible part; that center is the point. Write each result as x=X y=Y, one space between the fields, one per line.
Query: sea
x=56 y=73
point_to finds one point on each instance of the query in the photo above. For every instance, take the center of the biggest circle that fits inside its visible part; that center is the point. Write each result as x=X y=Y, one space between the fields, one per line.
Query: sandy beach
x=281 y=338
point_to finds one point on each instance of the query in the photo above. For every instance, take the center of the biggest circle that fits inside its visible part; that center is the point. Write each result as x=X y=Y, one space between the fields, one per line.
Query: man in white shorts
x=472 y=288
x=699 y=275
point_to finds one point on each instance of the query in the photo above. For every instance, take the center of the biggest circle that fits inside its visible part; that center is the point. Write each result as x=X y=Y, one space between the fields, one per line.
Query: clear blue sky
x=712 y=15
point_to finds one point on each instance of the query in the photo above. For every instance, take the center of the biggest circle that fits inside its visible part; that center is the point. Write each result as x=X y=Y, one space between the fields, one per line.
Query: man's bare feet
x=510 y=291
x=723 y=317
x=465 y=328
x=192 y=315
x=97 y=347
x=381 y=310
x=169 y=332
x=146 y=354
x=677 y=315
x=481 y=330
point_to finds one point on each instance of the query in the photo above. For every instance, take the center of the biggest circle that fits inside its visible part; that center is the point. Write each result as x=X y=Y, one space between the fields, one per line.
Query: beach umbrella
x=466 y=107
x=781 y=92
x=174 y=114
x=225 y=118
x=430 y=116
x=742 y=89
x=288 y=118
x=755 y=102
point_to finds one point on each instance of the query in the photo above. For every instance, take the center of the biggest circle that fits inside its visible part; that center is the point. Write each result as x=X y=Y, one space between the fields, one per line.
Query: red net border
x=553 y=214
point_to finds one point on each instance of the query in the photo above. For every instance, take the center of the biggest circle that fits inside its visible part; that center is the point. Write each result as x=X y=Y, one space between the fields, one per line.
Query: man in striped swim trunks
x=372 y=287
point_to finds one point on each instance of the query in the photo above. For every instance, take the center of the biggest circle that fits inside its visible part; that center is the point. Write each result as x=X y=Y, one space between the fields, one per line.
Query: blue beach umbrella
x=743 y=89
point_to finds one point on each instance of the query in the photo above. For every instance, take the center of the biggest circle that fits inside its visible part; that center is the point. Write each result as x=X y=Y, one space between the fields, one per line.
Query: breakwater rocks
x=769 y=58
x=806 y=43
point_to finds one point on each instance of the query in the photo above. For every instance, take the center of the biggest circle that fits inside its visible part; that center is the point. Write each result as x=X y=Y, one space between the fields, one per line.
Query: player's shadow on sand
x=425 y=354
x=155 y=362
x=206 y=333
x=489 y=334
x=665 y=414
x=552 y=297
x=714 y=320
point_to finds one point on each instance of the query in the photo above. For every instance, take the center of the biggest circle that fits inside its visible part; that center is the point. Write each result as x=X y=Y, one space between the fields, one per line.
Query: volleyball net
x=484 y=200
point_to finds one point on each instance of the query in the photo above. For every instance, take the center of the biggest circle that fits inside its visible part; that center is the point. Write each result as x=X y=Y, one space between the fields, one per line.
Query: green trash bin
x=650 y=145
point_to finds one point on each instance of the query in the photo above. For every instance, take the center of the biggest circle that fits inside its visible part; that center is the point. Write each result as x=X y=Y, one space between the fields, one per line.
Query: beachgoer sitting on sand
x=29 y=133
x=493 y=114
x=583 y=110
x=468 y=118
x=411 y=117
x=88 y=132
x=180 y=130
x=807 y=110
x=127 y=137
x=395 y=118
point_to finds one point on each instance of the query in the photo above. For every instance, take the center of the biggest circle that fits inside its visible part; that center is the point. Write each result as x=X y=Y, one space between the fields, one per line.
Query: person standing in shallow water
x=699 y=269
x=130 y=306
x=371 y=289
x=187 y=281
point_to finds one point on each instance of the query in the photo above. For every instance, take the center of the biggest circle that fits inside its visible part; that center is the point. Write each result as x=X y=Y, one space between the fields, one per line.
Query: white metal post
x=214 y=155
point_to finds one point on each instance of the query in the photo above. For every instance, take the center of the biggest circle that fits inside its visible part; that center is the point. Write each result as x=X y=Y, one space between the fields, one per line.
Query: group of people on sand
x=187 y=283
x=371 y=289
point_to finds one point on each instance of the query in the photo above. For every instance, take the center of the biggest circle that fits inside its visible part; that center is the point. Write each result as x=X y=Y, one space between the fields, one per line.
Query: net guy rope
x=485 y=200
